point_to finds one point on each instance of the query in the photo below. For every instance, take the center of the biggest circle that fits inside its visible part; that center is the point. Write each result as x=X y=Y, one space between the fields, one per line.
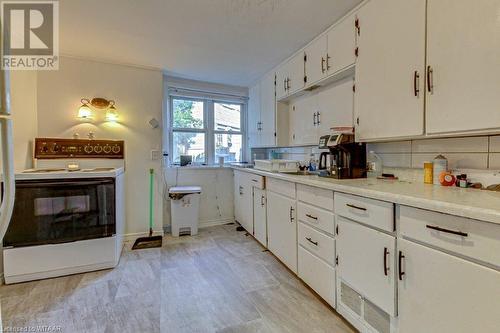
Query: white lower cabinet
x=439 y=292
x=243 y=200
x=318 y=274
x=366 y=268
x=259 y=216
x=282 y=228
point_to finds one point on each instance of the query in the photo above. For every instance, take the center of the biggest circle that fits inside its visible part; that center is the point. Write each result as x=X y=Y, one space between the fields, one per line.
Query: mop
x=150 y=241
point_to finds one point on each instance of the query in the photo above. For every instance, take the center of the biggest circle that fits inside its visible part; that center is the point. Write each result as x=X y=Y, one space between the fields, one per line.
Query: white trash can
x=185 y=207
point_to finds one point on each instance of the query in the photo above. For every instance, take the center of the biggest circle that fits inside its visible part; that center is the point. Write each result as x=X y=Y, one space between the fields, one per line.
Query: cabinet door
x=341 y=45
x=335 y=106
x=315 y=65
x=443 y=293
x=237 y=197
x=463 y=50
x=268 y=110
x=259 y=216
x=296 y=74
x=253 y=118
x=391 y=50
x=281 y=82
x=303 y=127
x=246 y=204
x=282 y=229
x=361 y=252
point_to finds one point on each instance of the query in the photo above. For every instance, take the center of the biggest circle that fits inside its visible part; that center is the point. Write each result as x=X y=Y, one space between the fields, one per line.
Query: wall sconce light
x=85 y=111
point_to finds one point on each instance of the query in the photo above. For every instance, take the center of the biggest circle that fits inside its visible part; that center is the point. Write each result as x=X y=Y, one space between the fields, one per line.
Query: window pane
x=185 y=143
x=227 y=117
x=229 y=146
x=187 y=113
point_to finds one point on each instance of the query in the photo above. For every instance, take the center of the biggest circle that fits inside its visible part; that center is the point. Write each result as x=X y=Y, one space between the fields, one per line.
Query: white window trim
x=208 y=125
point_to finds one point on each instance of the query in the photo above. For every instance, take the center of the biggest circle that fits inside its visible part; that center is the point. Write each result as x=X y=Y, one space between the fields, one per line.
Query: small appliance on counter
x=346 y=159
x=69 y=212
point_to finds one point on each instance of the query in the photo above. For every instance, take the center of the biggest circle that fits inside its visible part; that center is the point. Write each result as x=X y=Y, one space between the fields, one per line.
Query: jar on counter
x=440 y=165
x=428 y=173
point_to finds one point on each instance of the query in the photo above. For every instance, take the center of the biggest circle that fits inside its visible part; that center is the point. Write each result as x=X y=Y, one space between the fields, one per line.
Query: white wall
x=216 y=205
x=138 y=94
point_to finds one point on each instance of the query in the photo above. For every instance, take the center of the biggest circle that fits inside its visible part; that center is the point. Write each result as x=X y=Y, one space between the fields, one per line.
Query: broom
x=150 y=241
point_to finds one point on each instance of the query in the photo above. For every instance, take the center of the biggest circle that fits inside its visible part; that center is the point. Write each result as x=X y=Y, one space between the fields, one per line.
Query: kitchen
x=253 y=166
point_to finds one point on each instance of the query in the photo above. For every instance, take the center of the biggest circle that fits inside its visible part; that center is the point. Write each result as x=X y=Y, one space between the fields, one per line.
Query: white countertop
x=83 y=173
x=466 y=202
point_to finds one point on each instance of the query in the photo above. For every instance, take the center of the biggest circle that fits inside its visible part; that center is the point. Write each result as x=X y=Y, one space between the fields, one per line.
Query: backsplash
x=478 y=157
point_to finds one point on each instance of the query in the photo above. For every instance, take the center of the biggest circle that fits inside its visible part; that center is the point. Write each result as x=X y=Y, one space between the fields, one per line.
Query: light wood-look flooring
x=218 y=281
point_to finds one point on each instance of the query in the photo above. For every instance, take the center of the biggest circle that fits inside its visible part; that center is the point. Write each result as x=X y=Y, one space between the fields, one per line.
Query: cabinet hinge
x=357 y=120
x=274 y=134
x=305 y=79
x=353 y=88
x=357 y=26
x=356 y=51
x=305 y=57
x=337 y=260
x=337 y=230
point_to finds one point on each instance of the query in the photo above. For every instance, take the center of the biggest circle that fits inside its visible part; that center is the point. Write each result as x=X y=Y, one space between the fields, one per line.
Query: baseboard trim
x=212 y=223
x=135 y=235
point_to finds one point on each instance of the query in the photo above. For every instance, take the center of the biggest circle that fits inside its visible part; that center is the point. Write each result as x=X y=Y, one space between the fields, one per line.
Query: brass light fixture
x=85 y=111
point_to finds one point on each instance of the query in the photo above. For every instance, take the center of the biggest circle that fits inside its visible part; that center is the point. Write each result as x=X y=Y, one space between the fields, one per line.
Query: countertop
x=466 y=202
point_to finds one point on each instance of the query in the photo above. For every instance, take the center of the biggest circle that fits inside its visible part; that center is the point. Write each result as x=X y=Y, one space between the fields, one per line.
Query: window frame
x=208 y=126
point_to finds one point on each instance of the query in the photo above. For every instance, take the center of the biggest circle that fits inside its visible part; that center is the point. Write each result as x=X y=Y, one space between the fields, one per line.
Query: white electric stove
x=66 y=222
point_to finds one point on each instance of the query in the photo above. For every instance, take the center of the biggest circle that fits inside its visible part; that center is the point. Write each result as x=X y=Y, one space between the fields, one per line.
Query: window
x=206 y=130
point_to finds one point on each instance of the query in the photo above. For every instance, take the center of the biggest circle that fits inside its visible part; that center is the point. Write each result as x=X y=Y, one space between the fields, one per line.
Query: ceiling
x=224 y=41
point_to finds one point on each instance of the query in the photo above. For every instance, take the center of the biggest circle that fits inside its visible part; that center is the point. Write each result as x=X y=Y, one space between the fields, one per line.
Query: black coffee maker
x=347 y=157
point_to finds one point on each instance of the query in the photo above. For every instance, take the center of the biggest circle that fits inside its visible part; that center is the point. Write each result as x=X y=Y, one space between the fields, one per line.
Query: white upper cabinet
x=463 y=53
x=390 y=69
x=303 y=115
x=341 y=45
x=267 y=110
x=290 y=76
x=262 y=113
x=335 y=106
x=316 y=57
x=253 y=117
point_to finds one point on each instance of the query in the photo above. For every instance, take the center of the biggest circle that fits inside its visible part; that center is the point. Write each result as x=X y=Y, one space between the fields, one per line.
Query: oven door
x=59 y=211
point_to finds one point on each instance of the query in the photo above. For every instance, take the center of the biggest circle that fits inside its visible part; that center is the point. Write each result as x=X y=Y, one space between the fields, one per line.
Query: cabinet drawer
x=317 y=274
x=320 y=218
x=471 y=238
x=379 y=214
x=315 y=196
x=256 y=181
x=321 y=245
x=281 y=187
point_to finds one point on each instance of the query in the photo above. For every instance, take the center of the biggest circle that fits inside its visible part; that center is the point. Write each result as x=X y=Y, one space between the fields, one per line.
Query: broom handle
x=151 y=175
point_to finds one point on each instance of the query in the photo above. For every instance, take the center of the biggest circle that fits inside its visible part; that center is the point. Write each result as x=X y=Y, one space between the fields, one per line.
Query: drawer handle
x=312 y=217
x=400 y=268
x=291 y=214
x=459 y=233
x=262 y=198
x=386 y=253
x=311 y=241
x=255 y=180
x=356 y=207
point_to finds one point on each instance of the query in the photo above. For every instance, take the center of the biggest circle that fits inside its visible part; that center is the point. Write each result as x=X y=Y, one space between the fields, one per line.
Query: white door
x=335 y=106
x=259 y=216
x=281 y=82
x=341 y=45
x=282 y=229
x=389 y=97
x=463 y=51
x=253 y=118
x=296 y=74
x=366 y=263
x=315 y=65
x=268 y=110
x=442 y=293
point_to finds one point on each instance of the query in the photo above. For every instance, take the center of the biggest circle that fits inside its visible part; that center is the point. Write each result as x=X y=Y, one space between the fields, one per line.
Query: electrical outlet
x=155 y=155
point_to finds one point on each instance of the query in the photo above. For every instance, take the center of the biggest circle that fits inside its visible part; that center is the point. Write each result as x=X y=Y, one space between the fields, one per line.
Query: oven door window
x=60 y=211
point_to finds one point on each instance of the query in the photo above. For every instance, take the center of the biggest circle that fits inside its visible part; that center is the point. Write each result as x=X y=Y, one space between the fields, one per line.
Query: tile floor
x=218 y=281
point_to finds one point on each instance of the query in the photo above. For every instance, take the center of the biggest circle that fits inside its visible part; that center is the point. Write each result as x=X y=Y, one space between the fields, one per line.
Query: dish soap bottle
x=374 y=165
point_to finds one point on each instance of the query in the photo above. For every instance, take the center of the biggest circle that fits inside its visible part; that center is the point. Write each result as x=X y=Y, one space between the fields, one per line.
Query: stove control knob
x=45 y=148
x=56 y=148
x=107 y=149
x=98 y=149
x=88 y=149
x=116 y=149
